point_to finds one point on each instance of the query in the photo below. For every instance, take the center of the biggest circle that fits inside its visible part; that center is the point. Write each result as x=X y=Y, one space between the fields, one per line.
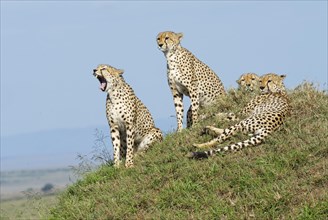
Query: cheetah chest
x=180 y=87
x=119 y=111
x=176 y=77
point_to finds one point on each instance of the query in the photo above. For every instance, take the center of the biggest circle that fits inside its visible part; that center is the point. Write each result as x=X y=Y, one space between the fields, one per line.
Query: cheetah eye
x=242 y=80
x=269 y=80
x=158 y=39
x=253 y=78
x=166 y=38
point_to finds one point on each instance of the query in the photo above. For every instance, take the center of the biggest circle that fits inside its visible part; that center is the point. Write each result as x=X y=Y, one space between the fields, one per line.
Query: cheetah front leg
x=123 y=144
x=178 y=104
x=193 y=109
x=227 y=116
x=115 y=134
x=222 y=137
x=189 y=117
x=130 y=142
x=210 y=143
x=212 y=130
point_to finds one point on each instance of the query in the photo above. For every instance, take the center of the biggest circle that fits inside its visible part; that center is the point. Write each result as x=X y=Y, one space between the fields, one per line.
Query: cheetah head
x=272 y=82
x=248 y=81
x=106 y=74
x=168 y=40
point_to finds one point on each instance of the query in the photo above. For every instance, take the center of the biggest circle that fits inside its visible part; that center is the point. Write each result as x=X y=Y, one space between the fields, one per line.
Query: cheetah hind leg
x=227 y=116
x=213 y=131
x=225 y=134
x=154 y=135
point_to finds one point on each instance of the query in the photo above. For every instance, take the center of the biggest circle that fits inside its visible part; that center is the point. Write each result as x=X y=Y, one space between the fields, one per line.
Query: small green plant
x=101 y=155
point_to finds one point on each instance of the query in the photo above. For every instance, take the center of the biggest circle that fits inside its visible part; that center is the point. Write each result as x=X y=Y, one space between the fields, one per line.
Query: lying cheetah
x=188 y=76
x=248 y=82
x=265 y=113
x=132 y=126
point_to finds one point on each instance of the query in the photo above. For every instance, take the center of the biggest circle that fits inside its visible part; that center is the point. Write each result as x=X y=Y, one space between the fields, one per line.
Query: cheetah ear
x=283 y=76
x=180 y=35
x=119 y=71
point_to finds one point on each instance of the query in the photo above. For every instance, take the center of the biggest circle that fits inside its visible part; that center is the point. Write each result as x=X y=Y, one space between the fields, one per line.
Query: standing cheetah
x=188 y=76
x=132 y=126
x=264 y=114
x=248 y=82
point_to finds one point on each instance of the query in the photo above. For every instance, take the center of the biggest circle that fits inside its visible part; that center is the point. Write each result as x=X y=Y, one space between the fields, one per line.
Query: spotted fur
x=188 y=76
x=248 y=82
x=264 y=114
x=132 y=126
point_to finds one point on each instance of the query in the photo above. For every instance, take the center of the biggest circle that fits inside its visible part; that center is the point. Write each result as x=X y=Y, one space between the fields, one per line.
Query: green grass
x=27 y=208
x=284 y=178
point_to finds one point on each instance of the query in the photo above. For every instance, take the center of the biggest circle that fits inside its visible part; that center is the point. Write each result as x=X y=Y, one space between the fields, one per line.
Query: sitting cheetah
x=188 y=76
x=132 y=126
x=265 y=113
x=248 y=82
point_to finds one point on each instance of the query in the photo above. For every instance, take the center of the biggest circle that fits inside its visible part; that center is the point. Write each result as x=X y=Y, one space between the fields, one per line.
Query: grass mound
x=285 y=177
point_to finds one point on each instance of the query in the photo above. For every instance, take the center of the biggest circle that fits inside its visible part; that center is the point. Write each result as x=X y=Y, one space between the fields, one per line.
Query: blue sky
x=49 y=48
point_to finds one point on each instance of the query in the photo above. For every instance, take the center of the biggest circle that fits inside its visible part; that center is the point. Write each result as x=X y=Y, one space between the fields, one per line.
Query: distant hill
x=47 y=149
x=284 y=178
x=55 y=148
x=18 y=184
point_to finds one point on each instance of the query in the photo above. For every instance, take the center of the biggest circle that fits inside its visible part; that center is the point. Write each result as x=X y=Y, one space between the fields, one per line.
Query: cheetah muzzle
x=102 y=81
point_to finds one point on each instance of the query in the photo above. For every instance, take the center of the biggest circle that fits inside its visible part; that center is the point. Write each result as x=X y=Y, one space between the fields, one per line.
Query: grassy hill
x=285 y=177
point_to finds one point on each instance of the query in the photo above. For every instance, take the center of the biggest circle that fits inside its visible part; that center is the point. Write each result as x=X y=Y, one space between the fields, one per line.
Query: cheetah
x=248 y=82
x=264 y=114
x=248 y=85
x=132 y=126
x=188 y=76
